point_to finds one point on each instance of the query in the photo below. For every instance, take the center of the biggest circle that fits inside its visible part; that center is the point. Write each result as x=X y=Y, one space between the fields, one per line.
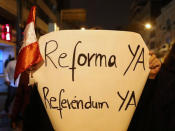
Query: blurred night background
x=153 y=19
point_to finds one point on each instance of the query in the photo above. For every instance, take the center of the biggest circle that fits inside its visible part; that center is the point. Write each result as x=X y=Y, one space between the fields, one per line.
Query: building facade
x=13 y=16
x=142 y=12
x=165 y=29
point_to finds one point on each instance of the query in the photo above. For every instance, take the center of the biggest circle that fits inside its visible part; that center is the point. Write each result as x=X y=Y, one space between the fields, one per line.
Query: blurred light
x=8 y=36
x=3 y=36
x=7 y=27
x=82 y=28
x=148 y=26
x=6 y=32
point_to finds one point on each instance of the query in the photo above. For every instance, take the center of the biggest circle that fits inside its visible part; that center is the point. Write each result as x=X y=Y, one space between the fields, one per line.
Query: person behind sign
x=156 y=108
x=9 y=81
x=29 y=107
x=10 y=58
x=138 y=118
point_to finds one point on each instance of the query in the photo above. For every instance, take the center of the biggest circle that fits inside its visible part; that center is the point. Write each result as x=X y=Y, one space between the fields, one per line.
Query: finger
x=155 y=63
x=152 y=58
x=154 y=71
x=151 y=52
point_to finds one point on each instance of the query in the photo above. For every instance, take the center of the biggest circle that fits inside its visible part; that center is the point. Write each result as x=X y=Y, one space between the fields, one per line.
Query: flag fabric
x=29 y=53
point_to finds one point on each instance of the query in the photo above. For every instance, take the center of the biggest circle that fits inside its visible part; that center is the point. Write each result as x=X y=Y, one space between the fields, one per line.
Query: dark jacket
x=156 y=108
x=22 y=98
x=29 y=104
x=35 y=116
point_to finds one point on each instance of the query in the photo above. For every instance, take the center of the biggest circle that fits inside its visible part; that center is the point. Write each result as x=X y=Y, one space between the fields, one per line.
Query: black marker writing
x=132 y=97
x=78 y=59
x=73 y=61
x=47 y=54
x=65 y=103
x=134 y=56
x=140 y=61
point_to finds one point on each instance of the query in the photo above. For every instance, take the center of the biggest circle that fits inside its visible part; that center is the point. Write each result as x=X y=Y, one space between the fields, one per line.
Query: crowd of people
x=155 y=110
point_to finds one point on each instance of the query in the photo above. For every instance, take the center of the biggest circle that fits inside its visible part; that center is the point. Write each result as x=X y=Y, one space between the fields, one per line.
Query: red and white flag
x=29 y=53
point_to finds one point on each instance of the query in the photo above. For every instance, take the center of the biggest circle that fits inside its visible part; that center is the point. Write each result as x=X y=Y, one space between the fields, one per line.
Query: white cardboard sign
x=91 y=80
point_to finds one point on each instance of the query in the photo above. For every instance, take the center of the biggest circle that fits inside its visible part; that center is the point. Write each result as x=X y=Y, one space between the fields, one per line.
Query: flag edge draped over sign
x=29 y=53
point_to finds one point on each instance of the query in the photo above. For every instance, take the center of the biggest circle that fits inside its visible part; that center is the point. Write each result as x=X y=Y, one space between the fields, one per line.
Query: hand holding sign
x=154 y=65
x=92 y=80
